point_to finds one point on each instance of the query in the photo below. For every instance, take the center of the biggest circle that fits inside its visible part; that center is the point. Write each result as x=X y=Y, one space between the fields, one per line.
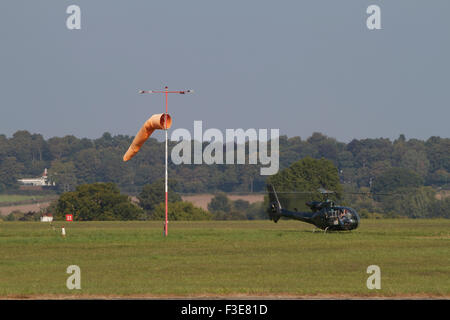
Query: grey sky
x=300 y=66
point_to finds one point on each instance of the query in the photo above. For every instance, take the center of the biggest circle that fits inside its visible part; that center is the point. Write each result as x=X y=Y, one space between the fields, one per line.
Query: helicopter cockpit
x=342 y=218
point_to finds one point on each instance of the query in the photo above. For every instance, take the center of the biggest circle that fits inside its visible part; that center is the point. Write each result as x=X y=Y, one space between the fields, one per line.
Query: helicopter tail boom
x=274 y=206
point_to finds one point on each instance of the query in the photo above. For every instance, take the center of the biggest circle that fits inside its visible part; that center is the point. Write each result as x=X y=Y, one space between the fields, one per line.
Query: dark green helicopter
x=325 y=215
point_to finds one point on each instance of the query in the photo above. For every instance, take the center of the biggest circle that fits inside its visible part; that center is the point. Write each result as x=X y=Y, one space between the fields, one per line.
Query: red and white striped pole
x=166 y=182
x=166 y=186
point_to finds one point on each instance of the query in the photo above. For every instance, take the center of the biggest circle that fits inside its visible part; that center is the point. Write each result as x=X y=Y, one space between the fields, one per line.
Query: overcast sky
x=300 y=66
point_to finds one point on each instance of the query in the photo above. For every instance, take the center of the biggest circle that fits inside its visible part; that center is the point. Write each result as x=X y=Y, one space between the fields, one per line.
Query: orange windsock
x=156 y=121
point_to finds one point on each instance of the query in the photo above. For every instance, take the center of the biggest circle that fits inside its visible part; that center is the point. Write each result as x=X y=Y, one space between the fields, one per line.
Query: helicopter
x=325 y=215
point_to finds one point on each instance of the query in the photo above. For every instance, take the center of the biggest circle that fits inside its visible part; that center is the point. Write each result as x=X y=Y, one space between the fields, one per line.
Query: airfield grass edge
x=224 y=258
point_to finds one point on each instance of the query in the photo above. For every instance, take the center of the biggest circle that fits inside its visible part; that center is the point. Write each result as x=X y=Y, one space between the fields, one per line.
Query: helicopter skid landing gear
x=325 y=231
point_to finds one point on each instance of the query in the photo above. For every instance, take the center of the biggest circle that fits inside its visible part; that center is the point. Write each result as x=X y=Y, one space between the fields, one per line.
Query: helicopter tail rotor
x=274 y=204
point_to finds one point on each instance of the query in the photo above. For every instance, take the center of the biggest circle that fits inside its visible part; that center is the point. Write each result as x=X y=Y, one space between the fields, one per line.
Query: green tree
x=67 y=146
x=87 y=164
x=179 y=210
x=440 y=208
x=306 y=177
x=257 y=211
x=438 y=154
x=439 y=177
x=241 y=205
x=98 y=201
x=10 y=170
x=231 y=215
x=416 y=160
x=64 y=175
x=410 y=202
x=395 y=178
x=153 y=194
x=220 y=202
x=21 y=144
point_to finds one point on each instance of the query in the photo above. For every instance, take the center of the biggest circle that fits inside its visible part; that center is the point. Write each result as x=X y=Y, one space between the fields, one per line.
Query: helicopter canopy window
x=340 y=215
x=347 y=217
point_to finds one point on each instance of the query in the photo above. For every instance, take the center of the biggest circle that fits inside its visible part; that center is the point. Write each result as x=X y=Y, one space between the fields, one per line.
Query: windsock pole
x=166 y=128
x=166 y=188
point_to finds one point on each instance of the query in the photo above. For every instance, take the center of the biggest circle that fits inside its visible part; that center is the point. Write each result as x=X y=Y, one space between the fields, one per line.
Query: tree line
x=73 y=161
x=104 y=202
x=314 y=179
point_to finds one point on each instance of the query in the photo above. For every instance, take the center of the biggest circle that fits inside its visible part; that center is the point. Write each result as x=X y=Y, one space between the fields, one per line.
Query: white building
x=38 y=182
x=47 y=218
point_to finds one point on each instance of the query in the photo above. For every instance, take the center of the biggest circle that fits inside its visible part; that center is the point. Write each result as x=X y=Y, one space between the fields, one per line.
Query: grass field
x=231 y=258
x=23 y=203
